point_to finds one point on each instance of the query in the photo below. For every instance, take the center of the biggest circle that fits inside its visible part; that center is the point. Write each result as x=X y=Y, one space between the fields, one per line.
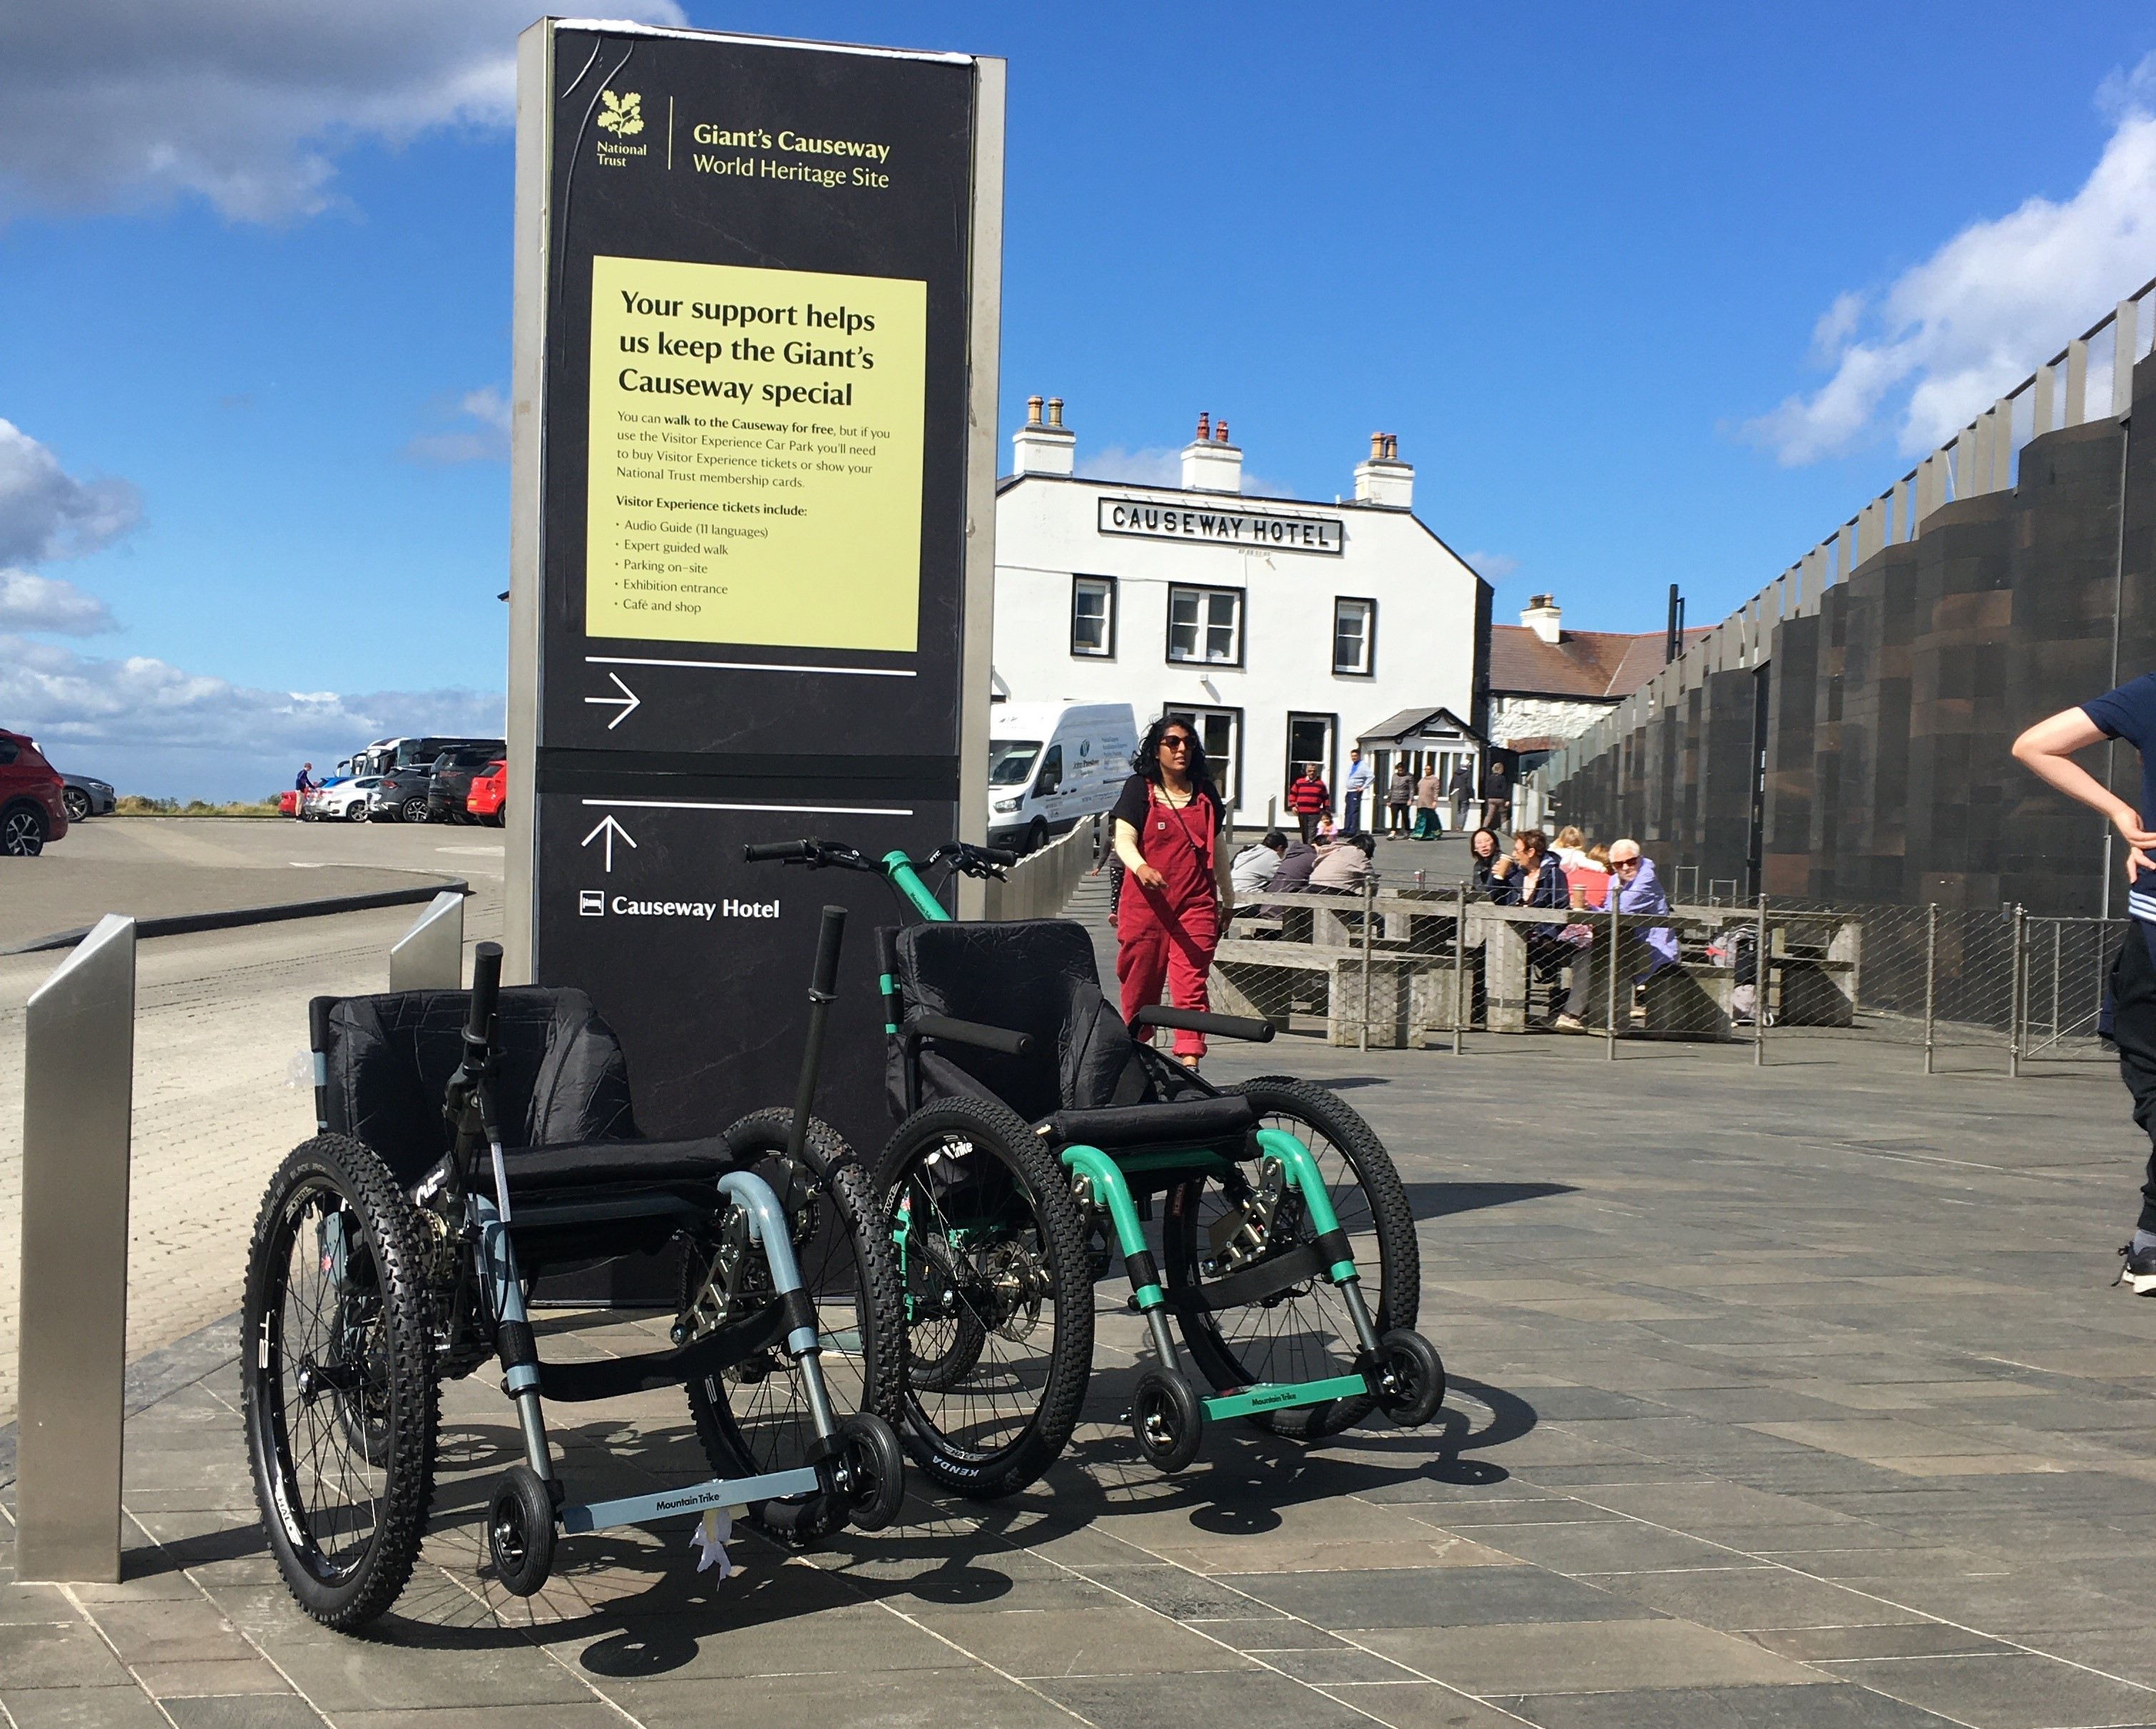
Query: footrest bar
x=1283 y=1396
x=719 y=1492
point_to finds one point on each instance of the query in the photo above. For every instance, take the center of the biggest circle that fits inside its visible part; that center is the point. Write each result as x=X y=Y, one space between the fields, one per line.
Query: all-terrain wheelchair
x=470 y=1141
x=1036 y=1136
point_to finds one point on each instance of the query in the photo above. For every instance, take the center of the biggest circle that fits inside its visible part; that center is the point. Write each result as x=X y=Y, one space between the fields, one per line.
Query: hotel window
x=1354 y=634
x=1205 y=625
x=1093 y=617
x=1220 y=730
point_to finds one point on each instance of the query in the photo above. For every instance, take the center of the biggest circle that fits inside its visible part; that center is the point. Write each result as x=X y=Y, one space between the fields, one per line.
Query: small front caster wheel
x=1168 y=1420
x=1408 y=1379
x=871 y=1471
x=520 y=1531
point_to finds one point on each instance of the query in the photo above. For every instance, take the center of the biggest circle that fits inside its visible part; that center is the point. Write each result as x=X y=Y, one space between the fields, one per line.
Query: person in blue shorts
x=2048 y=749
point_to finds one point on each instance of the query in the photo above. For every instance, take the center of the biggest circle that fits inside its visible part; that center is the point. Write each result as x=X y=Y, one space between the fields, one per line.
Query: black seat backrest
x=1033 y=975
x=561 y=1076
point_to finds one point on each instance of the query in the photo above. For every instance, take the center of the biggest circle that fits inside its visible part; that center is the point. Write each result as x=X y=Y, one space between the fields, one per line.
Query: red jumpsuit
x=1168 y=934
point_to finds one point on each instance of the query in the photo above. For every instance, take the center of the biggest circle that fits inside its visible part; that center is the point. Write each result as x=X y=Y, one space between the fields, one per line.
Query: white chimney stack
x=1383 y=480
x=1541 y=615
x=1043 y=447
x=1210 y=464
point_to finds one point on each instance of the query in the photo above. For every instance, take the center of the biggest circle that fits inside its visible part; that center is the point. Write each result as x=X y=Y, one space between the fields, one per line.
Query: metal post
x=78 y=1103
x=2058 y=946
x=1609 y=1033
x=1460 y=968
x=2013 y=998
x=1759 y=973
x=430 y=956
x=1369 y=925
x=1931 y=974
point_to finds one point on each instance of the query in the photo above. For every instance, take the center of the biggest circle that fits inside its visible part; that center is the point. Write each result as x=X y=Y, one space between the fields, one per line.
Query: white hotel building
x=1285 y=629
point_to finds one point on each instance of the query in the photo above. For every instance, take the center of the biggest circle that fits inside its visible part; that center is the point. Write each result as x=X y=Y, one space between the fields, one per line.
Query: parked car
x=488 y=800
x=85 y=798
x=33 y=807
x=399 y=796
x=347 y=802
x=453 y=770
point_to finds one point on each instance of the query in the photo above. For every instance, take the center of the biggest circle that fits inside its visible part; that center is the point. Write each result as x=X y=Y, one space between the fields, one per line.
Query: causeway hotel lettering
x=1258 y=531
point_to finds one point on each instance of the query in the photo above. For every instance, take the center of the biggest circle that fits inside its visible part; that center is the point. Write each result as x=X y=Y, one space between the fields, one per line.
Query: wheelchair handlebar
x=828 y=936
x=1199 y=1020
x=958 y=1032
x=763 y=852
x=485 y=993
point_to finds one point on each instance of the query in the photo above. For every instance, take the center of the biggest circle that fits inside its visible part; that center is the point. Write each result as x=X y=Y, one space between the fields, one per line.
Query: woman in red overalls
x=1175 y=894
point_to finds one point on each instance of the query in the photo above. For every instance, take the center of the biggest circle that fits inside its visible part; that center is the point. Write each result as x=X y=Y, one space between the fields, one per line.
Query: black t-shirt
x=1131 y=805
x=2129 y=712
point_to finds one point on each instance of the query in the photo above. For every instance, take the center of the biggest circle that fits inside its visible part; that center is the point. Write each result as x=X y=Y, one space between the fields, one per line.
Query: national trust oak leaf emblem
x=622 y=115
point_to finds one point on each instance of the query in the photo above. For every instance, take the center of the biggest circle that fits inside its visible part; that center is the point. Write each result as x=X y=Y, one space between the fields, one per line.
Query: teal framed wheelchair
x=1037 y=1141
x=470 y=1141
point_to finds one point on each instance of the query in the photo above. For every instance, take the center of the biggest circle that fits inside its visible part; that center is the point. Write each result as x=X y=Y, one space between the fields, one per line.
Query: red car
x=489 y=793
x=31 y=809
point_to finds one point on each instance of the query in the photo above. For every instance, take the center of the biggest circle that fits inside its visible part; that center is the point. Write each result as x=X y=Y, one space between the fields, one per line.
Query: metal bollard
x=1931 y=977
x=77 y=1104
x=430 y=956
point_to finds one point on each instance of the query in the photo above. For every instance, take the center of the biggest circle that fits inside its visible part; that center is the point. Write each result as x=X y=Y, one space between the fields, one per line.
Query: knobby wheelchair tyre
x=1314 y=1337
x=970 y=1174
x=754 y=1418
x=337 y=1388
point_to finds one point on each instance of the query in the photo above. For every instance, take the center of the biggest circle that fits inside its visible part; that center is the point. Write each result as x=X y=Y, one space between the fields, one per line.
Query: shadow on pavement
x=1439 y=1200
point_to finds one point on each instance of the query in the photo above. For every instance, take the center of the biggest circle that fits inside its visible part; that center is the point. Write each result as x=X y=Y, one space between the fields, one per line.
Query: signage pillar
x=751 y=544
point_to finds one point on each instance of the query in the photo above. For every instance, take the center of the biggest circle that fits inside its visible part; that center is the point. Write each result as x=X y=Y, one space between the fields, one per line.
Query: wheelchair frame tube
x=767 y=1226
x=900 y=869
x=1100 y=1171
x=1301 y=1165
x=498 y=1266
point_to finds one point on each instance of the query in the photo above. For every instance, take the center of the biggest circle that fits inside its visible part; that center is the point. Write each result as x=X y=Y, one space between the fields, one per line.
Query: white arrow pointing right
x=627 y=702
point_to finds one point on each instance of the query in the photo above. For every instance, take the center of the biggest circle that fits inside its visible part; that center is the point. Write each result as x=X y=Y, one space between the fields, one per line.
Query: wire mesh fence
x=1427 y=965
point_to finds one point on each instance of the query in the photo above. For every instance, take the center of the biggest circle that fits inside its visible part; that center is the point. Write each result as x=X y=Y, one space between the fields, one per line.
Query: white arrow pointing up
x=609 y=827
x=627 y=702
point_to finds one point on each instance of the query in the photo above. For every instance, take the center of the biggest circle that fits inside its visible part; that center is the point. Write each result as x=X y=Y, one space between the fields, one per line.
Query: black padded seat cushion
x=537 y=1171
x=1193 y=1122
x=561 y=1080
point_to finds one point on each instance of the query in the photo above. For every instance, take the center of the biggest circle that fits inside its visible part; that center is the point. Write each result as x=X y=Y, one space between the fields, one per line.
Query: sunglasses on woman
x=1179 y=741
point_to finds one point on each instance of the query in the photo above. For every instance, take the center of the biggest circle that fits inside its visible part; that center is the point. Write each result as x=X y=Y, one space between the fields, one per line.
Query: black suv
x=452 y=773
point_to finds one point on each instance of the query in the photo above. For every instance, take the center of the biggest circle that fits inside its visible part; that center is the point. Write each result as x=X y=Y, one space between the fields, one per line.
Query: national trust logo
x=622 y=115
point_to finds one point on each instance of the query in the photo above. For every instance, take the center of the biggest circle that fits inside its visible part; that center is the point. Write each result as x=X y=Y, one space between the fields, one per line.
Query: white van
x=1052 y=763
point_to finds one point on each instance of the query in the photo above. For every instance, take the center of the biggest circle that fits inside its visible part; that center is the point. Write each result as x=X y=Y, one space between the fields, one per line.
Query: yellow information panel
x=755 y=470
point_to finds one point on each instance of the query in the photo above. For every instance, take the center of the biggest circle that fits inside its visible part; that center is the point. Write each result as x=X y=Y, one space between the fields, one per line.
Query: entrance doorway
x=1219 y=731
x=1310 y=740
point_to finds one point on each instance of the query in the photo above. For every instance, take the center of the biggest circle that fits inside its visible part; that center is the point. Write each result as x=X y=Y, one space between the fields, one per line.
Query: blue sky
x=1585 y=262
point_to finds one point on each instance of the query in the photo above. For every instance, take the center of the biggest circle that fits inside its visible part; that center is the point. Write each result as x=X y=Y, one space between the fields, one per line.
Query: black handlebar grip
x=762 y=851
x=995 y=855
x=829 y=938
x=486 y=991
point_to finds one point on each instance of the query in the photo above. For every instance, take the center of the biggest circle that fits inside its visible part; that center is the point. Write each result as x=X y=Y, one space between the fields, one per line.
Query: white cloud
x=152 y=728
x=1158 y=465
x=50 y=604
x=1155 y=466
x=483 y=437
x=108 y=104
x=1951 y=334
x=46 y=513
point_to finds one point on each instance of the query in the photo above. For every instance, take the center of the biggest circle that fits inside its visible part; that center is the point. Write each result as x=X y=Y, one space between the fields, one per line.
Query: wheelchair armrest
x=1196 y=1020
x=942 y=1026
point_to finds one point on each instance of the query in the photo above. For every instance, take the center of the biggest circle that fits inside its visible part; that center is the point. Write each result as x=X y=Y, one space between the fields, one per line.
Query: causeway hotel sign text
x=1258 y=531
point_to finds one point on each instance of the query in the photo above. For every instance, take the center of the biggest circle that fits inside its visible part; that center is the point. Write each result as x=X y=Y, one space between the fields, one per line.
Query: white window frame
x=1367 y=668
x=1203 y=624
x=1106 y=586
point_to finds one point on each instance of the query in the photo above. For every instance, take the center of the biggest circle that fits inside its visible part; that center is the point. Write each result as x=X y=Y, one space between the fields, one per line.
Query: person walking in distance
x=1426 y=792
x=303 y=784
x=1461 y=791
x=1496 y=795
x=1352 y=791
x=1175 y=895
x=1399 y=796
x=2047 y=749
x=1307 y=800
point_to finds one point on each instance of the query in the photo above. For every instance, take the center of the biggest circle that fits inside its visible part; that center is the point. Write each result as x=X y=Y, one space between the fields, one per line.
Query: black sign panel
x=753 y=537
